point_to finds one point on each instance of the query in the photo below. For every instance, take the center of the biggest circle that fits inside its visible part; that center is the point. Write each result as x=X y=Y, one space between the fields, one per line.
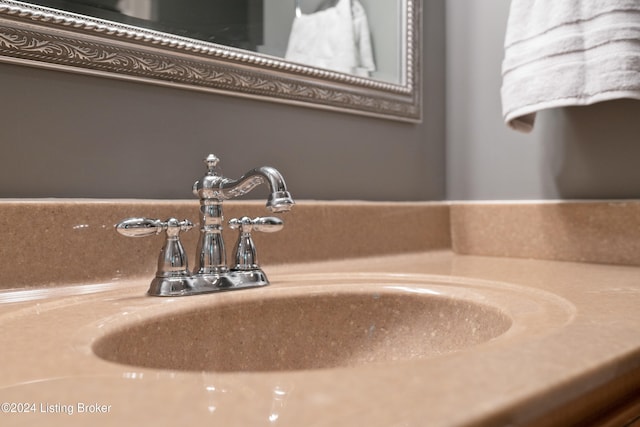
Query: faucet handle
x=143 y=227
x=245 y=255
x=266 y=224
x=172 y=275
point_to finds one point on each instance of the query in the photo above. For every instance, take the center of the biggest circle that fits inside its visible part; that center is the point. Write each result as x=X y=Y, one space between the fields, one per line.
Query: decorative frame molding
x=48 y=38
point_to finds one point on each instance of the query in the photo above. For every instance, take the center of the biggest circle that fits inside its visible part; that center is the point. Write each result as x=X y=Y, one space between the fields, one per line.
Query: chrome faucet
x=211 y=272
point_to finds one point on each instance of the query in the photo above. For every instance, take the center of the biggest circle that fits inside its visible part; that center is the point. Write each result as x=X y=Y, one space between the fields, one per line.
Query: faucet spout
x=214 y=186
x=212 y=189
x=279 y=199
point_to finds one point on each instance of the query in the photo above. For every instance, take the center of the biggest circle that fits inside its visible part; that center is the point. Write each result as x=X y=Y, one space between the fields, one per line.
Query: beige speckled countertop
x=573 y=356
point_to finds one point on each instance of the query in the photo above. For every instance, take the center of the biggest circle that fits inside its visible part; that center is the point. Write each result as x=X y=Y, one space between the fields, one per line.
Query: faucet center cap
x=211 y=161
x=207 y=186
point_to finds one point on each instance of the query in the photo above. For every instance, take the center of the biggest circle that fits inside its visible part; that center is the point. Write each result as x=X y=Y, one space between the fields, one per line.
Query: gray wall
x=65 y=135
x=581 y=152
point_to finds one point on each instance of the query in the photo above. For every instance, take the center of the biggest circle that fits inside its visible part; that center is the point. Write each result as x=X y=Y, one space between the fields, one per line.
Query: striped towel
x=568 y=52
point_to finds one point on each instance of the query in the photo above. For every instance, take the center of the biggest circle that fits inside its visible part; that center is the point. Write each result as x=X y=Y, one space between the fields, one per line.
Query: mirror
x=277 y=50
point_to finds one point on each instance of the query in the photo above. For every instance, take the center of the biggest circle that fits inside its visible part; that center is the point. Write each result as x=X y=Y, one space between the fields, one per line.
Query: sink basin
x=314 y=327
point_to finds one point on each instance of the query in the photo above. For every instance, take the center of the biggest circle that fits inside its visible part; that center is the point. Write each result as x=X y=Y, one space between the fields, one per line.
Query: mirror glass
x=364 y=38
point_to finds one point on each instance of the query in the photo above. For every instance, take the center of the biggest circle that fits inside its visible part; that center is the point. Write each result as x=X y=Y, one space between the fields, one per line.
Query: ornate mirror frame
x=48 y=38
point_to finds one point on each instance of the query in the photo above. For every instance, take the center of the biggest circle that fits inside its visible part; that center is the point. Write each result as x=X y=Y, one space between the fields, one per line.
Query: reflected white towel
x=336 y=39
x=136 y=8
x=568 y=52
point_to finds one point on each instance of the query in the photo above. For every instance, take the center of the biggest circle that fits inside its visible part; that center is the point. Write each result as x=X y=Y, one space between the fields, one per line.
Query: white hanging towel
x=568 y=52
x=336 y=38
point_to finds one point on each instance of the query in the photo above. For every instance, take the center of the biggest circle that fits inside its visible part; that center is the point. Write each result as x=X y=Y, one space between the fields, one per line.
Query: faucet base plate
x=207 y=283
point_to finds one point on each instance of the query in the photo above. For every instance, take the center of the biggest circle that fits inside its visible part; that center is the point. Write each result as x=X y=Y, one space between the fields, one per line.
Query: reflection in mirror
x=359 y=37
x=235 y=23
x=274 y=50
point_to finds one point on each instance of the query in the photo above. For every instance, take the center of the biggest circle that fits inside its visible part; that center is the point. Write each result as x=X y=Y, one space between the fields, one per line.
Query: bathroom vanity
x=378 y=314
